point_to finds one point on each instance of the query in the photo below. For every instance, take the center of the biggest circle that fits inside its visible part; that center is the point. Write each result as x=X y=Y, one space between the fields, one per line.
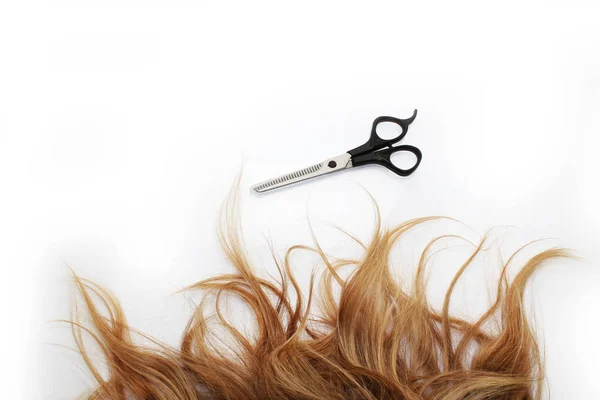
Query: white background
x=123 y=124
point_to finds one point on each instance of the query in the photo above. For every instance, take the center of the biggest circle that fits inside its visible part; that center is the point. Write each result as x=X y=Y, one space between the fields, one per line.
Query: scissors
x=376 y=150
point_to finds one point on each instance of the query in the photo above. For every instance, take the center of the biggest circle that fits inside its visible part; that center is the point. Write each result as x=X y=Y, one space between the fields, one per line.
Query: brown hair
x=369 y=339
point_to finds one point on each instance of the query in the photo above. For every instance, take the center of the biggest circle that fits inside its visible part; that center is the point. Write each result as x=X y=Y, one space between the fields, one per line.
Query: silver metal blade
x=326 y=167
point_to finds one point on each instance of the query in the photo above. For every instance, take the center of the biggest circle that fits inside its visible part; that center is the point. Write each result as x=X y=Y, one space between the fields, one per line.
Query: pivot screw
x=332 y=164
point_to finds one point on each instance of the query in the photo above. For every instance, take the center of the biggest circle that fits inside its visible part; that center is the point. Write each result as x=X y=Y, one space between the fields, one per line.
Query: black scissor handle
x=376 y=142
x=383 y=157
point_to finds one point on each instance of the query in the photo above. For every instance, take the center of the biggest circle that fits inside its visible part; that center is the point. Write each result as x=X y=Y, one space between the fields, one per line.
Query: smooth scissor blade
x=326 y=167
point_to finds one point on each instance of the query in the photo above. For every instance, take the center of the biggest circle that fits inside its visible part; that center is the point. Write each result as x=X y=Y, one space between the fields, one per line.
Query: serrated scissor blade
x=326 y=167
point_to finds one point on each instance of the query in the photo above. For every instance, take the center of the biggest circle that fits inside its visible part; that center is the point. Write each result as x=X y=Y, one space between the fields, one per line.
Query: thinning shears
x=376 y=150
